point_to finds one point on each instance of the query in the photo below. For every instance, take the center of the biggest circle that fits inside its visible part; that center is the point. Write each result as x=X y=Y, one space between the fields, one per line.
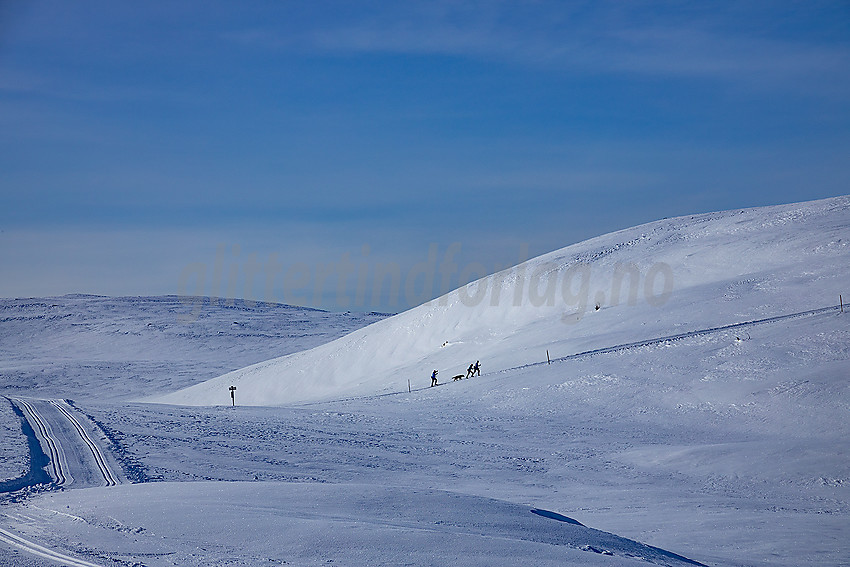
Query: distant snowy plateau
x=676 y=393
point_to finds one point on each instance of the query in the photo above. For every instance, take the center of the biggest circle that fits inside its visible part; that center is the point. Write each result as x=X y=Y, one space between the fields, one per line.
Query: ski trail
x=60 y=415
x=58 y=468
x=99 y=460
x=41 y=551
x=679 y=336
x=608 y=350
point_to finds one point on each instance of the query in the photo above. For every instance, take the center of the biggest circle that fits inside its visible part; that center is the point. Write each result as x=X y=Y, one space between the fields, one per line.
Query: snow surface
x=721 y=268
x=13 y=445
x=724 y=445
x=318 y=524
x=120 y=347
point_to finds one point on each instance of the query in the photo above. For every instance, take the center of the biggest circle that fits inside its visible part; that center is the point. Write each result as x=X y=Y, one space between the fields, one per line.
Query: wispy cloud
x=311 y=128
x=649 y=39
x=701 y=54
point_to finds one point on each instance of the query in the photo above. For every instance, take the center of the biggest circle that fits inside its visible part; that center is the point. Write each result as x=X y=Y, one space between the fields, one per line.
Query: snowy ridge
x=687 y=273
x=386 y=525
x=62 y=347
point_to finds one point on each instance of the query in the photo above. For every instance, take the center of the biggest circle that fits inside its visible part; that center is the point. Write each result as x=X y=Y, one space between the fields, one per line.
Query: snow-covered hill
x=716 y=428
x=126 y=347
x=660 y=279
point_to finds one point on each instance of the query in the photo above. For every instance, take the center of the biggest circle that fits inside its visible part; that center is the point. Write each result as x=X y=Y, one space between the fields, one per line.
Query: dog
x=458 y=377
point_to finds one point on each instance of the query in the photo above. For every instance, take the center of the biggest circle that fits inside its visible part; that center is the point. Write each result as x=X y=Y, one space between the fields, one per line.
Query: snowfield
x=707 y=425
x=120 y=347
x=13 y=446
x=682 y=274
x=349 y=524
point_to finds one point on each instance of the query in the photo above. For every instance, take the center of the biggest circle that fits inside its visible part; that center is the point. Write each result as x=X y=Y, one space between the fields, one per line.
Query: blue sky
x=142 y=143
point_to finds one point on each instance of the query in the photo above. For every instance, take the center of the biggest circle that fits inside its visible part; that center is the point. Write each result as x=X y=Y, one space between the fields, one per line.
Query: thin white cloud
x=611 y=39
x=698 y=53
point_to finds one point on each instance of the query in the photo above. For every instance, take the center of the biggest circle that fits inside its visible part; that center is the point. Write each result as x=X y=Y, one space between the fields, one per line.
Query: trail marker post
x=841 y=301
x=548 y=360
x=233 y=395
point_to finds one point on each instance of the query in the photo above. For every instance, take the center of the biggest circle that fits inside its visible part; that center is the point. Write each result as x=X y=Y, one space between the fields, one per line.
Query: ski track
x=41 y=551
x=59 y=468
x=108 y=476
x=54 y=449
x=610 y=349
x=680 y=336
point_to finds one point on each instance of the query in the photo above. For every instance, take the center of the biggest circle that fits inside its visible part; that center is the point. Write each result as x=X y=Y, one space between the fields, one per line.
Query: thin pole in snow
x=408 y=386
x=548 y=361
x=841 y=301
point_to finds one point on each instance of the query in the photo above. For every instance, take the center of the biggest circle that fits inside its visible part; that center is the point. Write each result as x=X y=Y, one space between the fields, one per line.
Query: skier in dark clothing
x=477 y=368
x=469 y=371
x=434 y=378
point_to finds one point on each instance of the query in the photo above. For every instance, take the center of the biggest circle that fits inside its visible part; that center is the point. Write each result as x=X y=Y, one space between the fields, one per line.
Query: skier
x=477 y=368
x=470 y=370
x=434 y=378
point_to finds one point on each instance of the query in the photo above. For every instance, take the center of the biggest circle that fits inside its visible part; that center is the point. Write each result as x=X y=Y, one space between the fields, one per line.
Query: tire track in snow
x=99 y=460
x=41 y=551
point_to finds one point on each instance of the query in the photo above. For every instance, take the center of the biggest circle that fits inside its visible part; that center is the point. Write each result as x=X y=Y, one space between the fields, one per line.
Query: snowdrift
x=654 y=280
